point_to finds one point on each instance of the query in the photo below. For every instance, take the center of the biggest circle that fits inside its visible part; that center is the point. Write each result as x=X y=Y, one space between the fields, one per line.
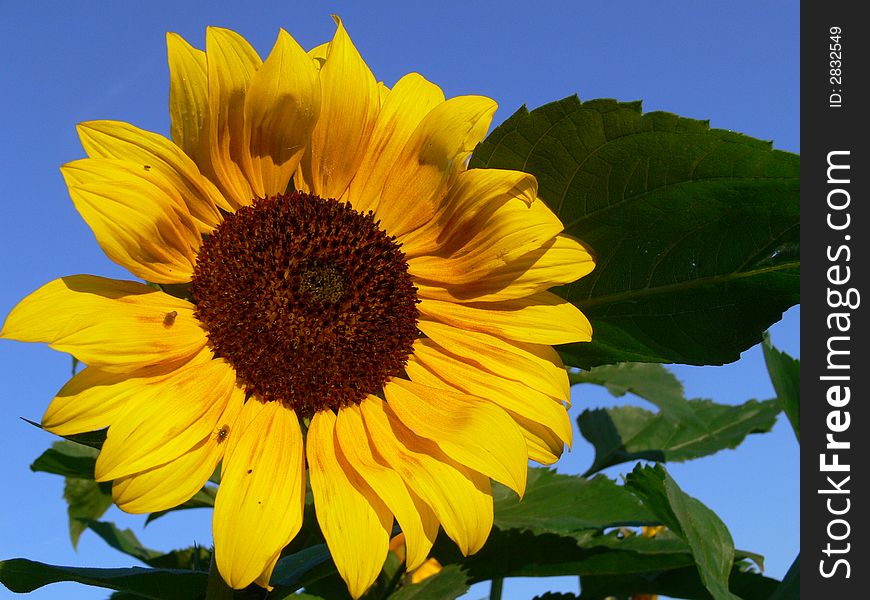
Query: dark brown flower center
x=308 y=299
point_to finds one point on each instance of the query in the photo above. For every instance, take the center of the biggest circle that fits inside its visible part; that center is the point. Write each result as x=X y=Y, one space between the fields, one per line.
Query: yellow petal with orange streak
x=115 y=325
x=353 y=519
x=350 y=101
x=472 y=432
x=542 y=318
x=281 y=109
x=259 y=505
x=416 y=519
x=460 y=497
x=166 y=418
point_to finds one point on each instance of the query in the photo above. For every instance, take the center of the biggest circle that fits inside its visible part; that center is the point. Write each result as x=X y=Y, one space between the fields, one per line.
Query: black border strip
x=834 y=334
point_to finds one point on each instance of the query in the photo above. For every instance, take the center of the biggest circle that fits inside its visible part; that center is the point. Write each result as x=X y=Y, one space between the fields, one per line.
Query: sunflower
x=332 y=297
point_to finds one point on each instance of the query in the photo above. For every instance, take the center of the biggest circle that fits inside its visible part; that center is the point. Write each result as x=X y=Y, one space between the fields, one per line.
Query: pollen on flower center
x=308 y=299
x=322 y=283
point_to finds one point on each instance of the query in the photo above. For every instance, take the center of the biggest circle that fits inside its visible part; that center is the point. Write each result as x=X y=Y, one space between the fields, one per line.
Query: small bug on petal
x=222 y=433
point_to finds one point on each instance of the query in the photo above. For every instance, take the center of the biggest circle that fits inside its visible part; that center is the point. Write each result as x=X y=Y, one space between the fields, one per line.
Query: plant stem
x=495 y=589
x=217 y=589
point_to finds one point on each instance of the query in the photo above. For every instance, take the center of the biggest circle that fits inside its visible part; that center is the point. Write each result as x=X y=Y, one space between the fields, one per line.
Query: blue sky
x=734 y=63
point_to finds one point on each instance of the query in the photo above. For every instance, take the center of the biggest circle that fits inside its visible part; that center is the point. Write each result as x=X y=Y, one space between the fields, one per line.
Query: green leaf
x=512 y=553
x=21 y=575
x=629 y=433
x=449 y=583
x=564 y=504
x=785 y=374
x=125 y=596
x=68 y=459
x=556 y=530
x=195 y=558
x=93 y=439
x=652 y=382
x=123 y=540
x=302 y=568
x=675 y=583
x=790 y=588
x=284 y=594
x=696 y=230
x=86 y=499
x=204 y=498
x=707 y=536
x=682 y=430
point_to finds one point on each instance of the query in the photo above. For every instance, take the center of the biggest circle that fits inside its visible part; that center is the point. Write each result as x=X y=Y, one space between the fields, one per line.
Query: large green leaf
x=629 y=433
x=564 y=504
x=557 y=530
x=652 y=382
x=569 y=525
x=696 y=230
x=682 y=430
x=513 y=553
x=194 y=558
x=123 y=540
x=676 y=583
x=22 y=576
x=785 y=374
x=707 y=536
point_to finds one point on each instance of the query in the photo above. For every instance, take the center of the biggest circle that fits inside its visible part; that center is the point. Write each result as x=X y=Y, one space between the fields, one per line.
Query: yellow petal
x=138 y=225
x=491 y=277
x=403 y=108
x=91 y=400
x=266 y=576
x=281 y=109
x=513 y=252
x=318 y=55
x=175 y=482
x=106 y=323
x=349 y=106
x=460 y=497
x=94 y=398
x=536 y=365
x=472 y=197
x=231 y=66
x=188 y=99
x=416 y=519
x=166 y=418
x=488 y=238
x=469 y=430
x=545 y=446
x=168 y=485
x=138 y=229
x=153 y=153
x=259 y=505
x=542 y=318
x=437 y=149
x=472 y=377
x=435 y=367
x=354 y=521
